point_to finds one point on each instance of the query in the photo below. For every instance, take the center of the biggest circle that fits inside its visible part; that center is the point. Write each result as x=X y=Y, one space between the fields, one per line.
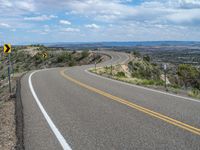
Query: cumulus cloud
x=189 y=3
x=185 y=16
x=25 y=5
x=5 y=25
x=70 y=30
x=92 y=26
x=110 y=10
x=40 y=18
x=167 y=18
x=102 y=10
x=15 y=7
x=66 y=22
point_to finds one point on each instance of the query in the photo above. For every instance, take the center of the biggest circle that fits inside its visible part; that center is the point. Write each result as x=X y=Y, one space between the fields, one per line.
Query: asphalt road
x=70 y=108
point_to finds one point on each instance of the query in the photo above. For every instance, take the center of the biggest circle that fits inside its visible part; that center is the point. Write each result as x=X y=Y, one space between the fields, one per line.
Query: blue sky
x=38 y=21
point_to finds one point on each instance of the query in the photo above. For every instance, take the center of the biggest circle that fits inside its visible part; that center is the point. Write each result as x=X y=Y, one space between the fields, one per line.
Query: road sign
x=165 y=67
x=7 y=48
x=44 y=55
x=165 y=73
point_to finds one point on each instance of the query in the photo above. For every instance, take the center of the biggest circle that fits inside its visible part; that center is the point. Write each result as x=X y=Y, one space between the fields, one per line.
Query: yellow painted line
x=135 y=106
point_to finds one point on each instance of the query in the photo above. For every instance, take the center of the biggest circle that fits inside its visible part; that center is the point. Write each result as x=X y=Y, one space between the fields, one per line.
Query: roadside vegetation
x=141 y=70
x=27 y=58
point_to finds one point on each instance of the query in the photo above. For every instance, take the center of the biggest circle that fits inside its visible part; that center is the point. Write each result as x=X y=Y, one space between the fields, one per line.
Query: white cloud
x=66 y=22
x=40 y=18
x=70 y=30
x=92 y=26
x=25 y=5
x=119 y=19
x=5 y=25
x=16 y=7
x=102 y=10
x=185 y=16
x=189 y=3
x=116 y=11
x=5 y=3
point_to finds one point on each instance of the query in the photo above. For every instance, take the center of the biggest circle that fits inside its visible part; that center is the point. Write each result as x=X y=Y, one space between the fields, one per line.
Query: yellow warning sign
x=45 y=55
x=7 y=48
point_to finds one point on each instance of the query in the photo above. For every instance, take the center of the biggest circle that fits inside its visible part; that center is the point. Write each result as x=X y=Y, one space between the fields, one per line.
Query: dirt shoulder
x=7 y=124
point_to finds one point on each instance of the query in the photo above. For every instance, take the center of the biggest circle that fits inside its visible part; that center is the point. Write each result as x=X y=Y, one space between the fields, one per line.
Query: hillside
x=181 y=79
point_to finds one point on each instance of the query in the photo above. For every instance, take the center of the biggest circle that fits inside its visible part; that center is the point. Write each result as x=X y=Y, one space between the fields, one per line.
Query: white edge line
x=55 y=130
x=140 y=87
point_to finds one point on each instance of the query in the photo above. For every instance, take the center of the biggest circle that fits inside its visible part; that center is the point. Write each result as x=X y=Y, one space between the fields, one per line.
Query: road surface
x=70 y=108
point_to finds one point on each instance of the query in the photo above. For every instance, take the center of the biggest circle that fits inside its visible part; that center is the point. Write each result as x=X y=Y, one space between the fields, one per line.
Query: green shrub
x=60 y=59
x=38 y=58
x=84 y=54
x=147 y=82
x=175 y=86
x=120 y=74
x=144 y=70
x=3 y=76
x=194 y=93
x=72 y=63
x=174 y=90
x=159 y=82
x=151 y=82
x=136 y=53
x=64 y=57
x=17 y=68
x=190 y=75
x=147 y=58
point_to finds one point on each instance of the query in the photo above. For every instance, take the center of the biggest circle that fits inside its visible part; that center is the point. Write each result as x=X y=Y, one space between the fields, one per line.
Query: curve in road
x=80 y=111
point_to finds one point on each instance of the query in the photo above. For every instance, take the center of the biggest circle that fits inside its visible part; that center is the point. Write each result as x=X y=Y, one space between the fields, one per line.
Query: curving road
x=70 y=108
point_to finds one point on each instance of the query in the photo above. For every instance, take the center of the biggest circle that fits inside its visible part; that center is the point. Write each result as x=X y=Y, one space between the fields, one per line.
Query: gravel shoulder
x=7 y=124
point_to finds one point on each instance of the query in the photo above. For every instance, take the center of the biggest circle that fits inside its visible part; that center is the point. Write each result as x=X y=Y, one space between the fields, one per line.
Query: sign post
x=12 y=65
x=111 y=69
x=165 y=72
x=95 y=65
x=45 y=56
x=7 y=50
x=10 y=91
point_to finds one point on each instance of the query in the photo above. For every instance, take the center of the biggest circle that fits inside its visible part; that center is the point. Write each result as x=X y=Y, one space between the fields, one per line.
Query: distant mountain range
x=122 y=44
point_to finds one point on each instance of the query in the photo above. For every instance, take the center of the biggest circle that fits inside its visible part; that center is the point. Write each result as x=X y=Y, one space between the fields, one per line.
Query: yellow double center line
x=135 y=106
